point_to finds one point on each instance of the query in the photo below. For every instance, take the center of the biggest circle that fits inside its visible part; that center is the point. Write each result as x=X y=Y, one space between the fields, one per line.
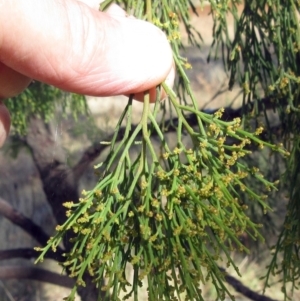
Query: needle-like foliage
x=173 y=214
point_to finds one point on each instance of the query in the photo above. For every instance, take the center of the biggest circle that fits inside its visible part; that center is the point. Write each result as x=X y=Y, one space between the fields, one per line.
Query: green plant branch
x=176 y=212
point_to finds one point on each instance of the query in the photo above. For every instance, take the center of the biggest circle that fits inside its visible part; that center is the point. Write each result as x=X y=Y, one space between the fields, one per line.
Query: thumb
x=116 y=11
x=82 y=50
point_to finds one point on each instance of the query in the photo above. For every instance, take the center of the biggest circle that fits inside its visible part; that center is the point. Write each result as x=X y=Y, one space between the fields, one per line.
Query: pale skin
x=72 y=45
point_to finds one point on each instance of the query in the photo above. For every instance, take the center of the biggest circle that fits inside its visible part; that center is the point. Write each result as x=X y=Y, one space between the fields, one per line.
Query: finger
x=76 y=48
x=152 y=92
x=116 y=11
x=11 y=82
x=4 y=123
x=95 y=4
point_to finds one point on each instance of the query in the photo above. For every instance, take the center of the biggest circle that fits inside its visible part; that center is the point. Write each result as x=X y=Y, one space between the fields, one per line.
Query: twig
x=244 y=290
x=17 y=272
x=96 y=149
x=25 y=223
x=33 y=273
x=28 y=253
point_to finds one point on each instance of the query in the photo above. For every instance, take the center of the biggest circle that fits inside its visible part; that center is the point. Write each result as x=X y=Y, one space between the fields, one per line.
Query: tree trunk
x=59 y=183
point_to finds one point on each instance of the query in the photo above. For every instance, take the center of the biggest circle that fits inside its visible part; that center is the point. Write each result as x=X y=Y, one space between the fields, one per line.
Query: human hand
x=73 y=46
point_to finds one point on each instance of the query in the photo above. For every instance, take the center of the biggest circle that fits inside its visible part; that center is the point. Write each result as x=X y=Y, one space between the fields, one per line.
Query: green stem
x=178 y=111
x=159 y=132
x=146 y=110
x=146 y=114
x=149 y=10
x=127 y=147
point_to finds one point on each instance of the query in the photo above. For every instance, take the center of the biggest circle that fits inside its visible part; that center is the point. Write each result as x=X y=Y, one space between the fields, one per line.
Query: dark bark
x=28 y=253
x=17 y=272
x=244 y=290
x=25 y=223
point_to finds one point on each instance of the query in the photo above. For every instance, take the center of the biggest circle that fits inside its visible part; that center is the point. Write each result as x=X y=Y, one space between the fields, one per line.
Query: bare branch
x=45 y=276
x=28 y=253
x=53 y=170
x=17 y=272
x=95 y=150
x=25 y=223
x=54 y=173
x=244 y=290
